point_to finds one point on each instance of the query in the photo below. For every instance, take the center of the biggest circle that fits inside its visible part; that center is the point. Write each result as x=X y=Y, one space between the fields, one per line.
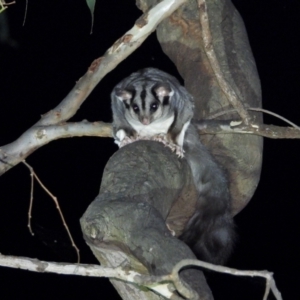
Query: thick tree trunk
x=181 y=38
x=143 y=185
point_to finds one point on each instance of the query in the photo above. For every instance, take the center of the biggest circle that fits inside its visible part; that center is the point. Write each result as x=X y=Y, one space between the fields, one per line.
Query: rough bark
x=126 y=224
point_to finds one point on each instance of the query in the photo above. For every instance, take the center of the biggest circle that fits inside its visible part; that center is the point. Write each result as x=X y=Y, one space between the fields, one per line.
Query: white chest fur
x=156 y=127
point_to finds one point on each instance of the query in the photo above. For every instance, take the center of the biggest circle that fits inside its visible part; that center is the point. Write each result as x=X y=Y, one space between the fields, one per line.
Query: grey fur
x=210 y=231
x=157 y=87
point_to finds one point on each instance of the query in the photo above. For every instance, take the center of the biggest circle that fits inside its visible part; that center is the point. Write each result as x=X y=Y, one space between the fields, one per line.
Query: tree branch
x=121 y=273
x=270 y=282
x=238 y=127
x=211 y=55
x=221 y=113
x=159 y=284
x=36 y=136
x=121 y=49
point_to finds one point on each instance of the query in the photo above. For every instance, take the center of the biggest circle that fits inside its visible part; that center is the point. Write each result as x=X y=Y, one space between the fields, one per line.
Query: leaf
x=91 y=5
x=2 y=6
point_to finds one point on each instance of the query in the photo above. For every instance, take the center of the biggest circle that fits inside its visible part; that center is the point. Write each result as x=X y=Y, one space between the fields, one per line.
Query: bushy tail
x=210 y=231
x=211 y=236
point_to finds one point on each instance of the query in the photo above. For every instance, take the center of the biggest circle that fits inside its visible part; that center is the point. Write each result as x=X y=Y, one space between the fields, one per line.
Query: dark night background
x=53 y=50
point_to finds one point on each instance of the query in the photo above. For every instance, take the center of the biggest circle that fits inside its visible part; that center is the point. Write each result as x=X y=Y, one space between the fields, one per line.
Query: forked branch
x=34 y=176
x=165 y=285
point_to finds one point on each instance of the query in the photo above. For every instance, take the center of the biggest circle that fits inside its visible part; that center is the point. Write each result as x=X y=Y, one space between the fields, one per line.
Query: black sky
x=54 y=50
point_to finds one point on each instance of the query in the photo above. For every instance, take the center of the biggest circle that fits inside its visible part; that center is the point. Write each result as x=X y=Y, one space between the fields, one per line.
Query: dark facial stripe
x=166 y=100
x=154 y=93
x=143 y=97
x=133 y=92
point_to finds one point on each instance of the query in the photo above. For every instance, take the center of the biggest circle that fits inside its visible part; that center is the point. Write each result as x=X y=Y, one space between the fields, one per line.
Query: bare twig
x=33 y=174
x=25 y=13
x=159 y=284
x=221 y=113
x=211 y=55
x=270 y=282
x=30 y=202
x=237 y=127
